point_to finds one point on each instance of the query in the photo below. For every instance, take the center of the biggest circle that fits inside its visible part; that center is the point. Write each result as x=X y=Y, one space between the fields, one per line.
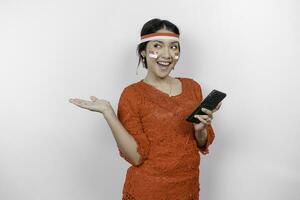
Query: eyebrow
x=162 y=42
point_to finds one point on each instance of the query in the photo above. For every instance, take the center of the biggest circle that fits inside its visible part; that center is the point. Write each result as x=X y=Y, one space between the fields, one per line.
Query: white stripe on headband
x=157 y=36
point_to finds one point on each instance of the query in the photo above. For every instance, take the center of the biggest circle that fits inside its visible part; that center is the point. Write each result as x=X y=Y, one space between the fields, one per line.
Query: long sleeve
x=209 y=128
x=129 y=116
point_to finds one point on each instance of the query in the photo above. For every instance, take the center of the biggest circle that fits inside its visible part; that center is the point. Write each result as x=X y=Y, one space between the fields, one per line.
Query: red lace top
x=170 y=158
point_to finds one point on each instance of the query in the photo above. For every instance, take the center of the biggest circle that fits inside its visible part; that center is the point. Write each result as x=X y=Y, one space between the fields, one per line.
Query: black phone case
x=210 y=102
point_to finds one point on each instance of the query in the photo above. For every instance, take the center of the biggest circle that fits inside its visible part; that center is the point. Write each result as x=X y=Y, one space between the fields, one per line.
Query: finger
x=207 y=118
x=93 y=98
x=201 y=119
x=207 y=111
x=74 y=101
x=79 y=102
x=203 y=116
x=218 y=106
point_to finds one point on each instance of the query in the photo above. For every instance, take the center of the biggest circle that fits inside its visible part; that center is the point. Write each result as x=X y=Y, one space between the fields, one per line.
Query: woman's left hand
x=205 y=119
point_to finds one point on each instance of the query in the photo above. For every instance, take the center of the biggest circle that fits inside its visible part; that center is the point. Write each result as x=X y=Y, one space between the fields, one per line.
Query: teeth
x=164 y=63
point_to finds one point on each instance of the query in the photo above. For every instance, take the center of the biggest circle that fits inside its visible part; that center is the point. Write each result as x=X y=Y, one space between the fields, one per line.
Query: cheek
x=176 y=55
x=152 y=54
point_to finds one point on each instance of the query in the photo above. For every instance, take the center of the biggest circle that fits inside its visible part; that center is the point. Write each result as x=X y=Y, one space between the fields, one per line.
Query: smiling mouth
x=164 y=64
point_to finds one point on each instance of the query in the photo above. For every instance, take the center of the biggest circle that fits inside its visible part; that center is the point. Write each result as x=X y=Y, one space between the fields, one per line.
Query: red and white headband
x=159 y=36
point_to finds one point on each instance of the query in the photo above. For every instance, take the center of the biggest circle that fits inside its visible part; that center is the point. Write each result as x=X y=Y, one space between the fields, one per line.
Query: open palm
x=96 y=105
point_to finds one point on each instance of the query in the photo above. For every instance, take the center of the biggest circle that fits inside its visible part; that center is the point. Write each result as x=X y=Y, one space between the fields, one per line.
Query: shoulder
x=130 y=89
x=130 y=93
x=191 y=81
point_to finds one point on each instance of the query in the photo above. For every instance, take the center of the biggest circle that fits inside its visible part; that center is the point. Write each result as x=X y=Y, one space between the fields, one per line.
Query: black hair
x=152 y=26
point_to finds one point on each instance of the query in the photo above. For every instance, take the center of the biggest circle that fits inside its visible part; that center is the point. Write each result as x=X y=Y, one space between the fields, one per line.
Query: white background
x=51 y=51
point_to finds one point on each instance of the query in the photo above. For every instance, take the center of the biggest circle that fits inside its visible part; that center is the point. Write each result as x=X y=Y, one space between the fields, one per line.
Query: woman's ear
x=143 y=53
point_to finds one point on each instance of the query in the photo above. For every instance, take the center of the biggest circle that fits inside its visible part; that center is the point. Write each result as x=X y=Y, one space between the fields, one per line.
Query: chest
x=173 y=90
x=161 y=111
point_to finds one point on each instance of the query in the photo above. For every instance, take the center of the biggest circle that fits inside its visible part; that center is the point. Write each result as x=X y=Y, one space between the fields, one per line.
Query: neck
x=158 y=80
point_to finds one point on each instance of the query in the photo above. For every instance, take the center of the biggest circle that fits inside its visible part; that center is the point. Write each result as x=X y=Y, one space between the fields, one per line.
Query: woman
x=150 y=127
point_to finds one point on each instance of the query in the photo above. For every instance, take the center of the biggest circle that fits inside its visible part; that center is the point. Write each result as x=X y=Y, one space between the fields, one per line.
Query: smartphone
x=210 y=102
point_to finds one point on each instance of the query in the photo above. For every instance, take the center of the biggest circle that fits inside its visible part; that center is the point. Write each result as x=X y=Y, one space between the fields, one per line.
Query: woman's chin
x=163 y=69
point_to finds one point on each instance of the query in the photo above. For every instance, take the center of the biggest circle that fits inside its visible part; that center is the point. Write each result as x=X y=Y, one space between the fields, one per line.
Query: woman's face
x=161 y=55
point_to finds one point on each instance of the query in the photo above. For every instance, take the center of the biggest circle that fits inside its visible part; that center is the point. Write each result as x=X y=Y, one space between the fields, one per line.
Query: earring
x=143 y=59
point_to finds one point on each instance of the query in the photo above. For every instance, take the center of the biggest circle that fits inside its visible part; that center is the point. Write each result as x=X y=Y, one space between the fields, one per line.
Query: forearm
x=201 y=137
x=126 y=143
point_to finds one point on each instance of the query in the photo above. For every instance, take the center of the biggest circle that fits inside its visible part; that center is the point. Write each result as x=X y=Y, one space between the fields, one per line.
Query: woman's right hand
x=96 y=105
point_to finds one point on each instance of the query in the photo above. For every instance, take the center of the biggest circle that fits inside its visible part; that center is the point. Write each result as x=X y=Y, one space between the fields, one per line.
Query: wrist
x=201 y=137
x=201 y=134
x=108 y=112
x=202 y=131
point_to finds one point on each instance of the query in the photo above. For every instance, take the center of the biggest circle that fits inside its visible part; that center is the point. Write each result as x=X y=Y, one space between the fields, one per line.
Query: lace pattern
x=128 y=196
x=169 y=155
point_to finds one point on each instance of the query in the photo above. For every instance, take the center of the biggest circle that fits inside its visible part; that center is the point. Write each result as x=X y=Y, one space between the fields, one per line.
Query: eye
x=175 y=47
x=155 y=45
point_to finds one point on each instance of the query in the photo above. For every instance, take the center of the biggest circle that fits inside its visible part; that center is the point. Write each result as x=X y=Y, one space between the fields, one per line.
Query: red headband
x=154 y=36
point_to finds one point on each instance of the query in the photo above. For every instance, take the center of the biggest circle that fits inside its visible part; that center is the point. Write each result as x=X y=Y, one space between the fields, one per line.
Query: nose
x=165 y=53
